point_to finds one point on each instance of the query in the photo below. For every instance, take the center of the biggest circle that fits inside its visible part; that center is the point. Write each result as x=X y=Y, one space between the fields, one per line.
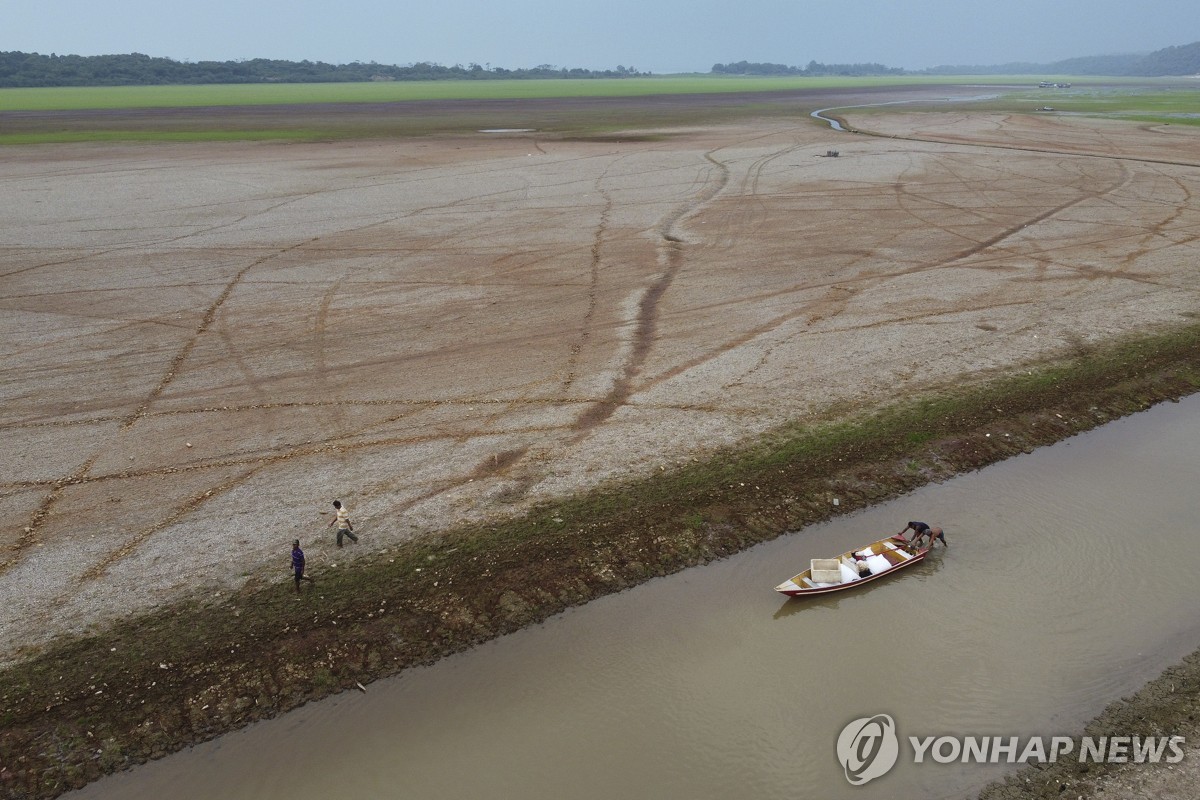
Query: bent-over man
x=921 y=531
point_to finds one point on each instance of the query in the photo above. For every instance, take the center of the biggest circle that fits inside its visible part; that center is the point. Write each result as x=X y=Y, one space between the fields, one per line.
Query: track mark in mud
x=92 y=254
x=642 y=341
x=952 y=140
x=412 y=406
x=492 y=466
x=848 y=287
x=711 y=189
x=28 y=537
x=1161 y=229
x=45 y=508
x=646 y=321
x=206 y=322
x=98 y=569
x=585 y=326
x=498 y=463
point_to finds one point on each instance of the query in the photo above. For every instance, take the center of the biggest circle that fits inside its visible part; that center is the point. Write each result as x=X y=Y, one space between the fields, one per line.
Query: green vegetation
x=137 y=69
x=131 y=97
x=1127 y=99
x=66 y=137
x=814 y=69
x=330 y=111
x=1168 y=106
x=1181 y=106
x=19 y=69
x=1177 y=61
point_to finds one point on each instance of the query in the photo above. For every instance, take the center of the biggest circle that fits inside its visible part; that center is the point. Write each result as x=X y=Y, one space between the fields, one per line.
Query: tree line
x=1181 y=60
x=813 y=69
x=1169 y=61
x=19 y=69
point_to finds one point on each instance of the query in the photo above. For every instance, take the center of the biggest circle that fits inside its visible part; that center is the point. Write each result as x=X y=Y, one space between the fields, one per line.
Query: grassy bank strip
x=148 y=686
x=77 y=98
x=1176 y=107
x=369 y=111
x=72 y=137
x=327 y=125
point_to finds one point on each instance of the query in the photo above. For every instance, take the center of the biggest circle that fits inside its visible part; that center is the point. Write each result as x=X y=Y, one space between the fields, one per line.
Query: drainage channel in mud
x=1069 y=582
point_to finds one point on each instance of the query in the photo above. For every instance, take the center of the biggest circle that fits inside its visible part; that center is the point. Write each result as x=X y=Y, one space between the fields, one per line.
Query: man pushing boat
x=920 y=531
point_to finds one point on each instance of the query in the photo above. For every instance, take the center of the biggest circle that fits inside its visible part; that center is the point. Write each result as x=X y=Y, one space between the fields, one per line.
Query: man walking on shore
x=298 y=564
x=342 y=519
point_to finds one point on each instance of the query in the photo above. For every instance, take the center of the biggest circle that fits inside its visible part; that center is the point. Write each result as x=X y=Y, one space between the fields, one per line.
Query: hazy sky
x=651 y=35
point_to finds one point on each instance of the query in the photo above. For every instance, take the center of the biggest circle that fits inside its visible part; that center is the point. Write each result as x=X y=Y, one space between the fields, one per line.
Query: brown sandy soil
x=205 y=344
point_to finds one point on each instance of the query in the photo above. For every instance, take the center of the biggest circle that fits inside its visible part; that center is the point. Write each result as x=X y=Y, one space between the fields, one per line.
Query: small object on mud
x=837 y=502
x=189 y=444
x=361 y=688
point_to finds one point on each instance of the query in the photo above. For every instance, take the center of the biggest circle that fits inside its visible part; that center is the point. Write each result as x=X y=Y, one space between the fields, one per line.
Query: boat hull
x=890 y=548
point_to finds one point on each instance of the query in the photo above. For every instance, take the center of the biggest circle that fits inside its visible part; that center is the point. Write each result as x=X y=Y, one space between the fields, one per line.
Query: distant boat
x=826 y=575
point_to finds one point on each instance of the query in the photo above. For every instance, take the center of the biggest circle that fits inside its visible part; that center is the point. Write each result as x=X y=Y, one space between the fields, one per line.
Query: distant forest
x=813 y=69
x=33 y=70
x=135 y=69
x=1183 y=60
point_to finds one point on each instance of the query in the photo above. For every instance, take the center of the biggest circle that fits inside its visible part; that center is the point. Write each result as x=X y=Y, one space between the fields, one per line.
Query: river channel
x=1070 y=580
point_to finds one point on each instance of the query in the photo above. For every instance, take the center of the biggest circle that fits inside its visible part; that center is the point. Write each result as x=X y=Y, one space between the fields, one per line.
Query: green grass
x=1176 y=106
x=330 y=111
x=67 y=137
x=74 y=98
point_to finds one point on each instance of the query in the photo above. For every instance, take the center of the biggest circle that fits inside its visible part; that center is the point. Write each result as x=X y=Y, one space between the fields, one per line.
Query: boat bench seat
x=894 y=550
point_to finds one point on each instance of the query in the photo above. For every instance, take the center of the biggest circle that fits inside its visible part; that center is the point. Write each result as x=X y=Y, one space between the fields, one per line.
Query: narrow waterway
x=1070 y=580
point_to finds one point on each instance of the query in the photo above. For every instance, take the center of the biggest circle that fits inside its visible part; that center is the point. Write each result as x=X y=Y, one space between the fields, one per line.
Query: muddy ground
x=205 y=344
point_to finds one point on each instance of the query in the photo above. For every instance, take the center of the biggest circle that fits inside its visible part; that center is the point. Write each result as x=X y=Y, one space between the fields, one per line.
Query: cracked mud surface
x=205 y=344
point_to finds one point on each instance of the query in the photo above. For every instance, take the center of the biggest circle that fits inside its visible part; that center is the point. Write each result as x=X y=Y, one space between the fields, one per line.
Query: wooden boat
x=826 y=575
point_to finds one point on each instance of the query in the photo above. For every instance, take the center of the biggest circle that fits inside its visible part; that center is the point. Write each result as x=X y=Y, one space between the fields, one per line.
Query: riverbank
x=1167 y=706
x=191 y=671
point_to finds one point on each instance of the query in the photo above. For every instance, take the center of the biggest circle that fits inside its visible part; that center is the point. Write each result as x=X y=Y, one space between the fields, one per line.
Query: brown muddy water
x=1071 y=579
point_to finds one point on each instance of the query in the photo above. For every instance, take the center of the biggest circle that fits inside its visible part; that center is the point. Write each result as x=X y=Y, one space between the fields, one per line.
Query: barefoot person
x=298 y=564
x=342 y=519
x=920 y=531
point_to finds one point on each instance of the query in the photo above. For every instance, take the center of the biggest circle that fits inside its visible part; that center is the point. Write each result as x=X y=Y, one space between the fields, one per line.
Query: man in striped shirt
x=342 y=520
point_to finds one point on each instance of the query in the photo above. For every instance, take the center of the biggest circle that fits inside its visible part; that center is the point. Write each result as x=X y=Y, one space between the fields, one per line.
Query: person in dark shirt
x=298 y=564
x=920 y=531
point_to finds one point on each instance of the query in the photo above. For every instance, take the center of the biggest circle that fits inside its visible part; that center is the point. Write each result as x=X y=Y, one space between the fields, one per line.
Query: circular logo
x=868 y=748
